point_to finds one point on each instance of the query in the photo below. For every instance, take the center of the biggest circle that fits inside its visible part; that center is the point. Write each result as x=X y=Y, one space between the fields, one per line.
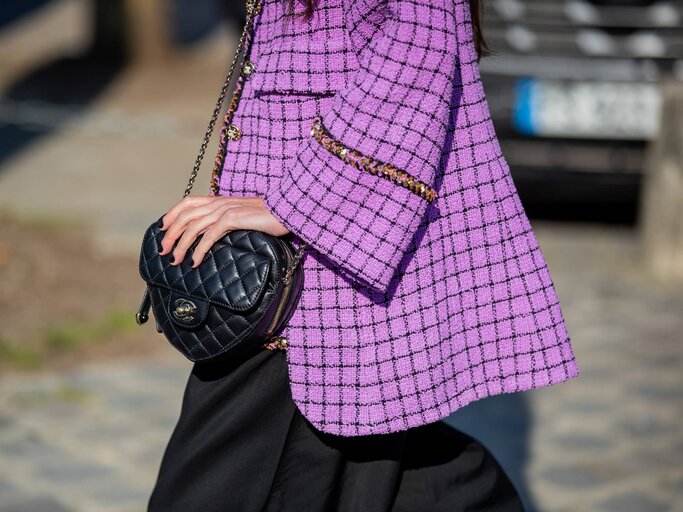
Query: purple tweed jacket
x=368 y=135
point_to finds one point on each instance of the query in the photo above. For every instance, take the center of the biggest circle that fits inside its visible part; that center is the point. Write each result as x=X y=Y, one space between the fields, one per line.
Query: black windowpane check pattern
x=411 y=309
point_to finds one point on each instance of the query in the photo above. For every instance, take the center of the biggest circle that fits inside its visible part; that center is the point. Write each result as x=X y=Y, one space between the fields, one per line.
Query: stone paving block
x=71 y=472
x=666 y=456
x=100 y=433
x=135 y=402
x=593 y=376
x=32 y=448
x=675 y=484
x=149 y=456
x=572 y=477
x=86 y=375
x=35 y=504
x=50 y=407
x=114 y=492
x=633 y=502
x=134 y=376
x=644 y=461
x=7 y=491
x=6 y=422
x=165 y=420
x=583 y=442
x=165 y=374
x=666 y=395
x=586 y=407
x=646 y=427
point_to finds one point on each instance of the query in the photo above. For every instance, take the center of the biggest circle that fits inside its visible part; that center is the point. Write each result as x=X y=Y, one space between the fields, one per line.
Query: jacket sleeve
x=357 y=189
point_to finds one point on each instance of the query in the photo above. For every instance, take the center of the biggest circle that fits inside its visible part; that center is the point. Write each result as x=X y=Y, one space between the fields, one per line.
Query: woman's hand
x=212 y=217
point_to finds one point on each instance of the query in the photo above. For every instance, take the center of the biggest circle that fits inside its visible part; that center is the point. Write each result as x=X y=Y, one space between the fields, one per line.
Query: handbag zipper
x=285 y=294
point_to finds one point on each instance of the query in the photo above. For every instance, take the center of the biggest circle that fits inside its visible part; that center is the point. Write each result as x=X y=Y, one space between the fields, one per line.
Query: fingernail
x=173 y=260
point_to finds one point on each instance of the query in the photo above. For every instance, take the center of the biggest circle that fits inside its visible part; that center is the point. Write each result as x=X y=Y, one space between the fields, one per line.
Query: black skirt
x=242 y=445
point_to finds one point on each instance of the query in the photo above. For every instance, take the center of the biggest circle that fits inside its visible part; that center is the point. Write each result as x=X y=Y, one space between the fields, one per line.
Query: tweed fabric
x=410 y=309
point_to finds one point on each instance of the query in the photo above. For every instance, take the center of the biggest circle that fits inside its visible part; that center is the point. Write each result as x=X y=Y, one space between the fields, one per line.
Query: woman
x=360 y=128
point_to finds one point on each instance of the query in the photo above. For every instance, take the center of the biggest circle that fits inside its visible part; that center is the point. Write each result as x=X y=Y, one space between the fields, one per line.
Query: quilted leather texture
x=221 y=332
x=233 y=274
x=234 y=291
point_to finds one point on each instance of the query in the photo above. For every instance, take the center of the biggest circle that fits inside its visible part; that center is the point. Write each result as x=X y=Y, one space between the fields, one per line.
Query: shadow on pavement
x=67 y=86
x=40 y=102
x=503 y=424
x=11 y=11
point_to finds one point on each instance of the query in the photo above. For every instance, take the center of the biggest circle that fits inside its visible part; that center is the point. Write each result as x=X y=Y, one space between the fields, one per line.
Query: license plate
x=602 y=110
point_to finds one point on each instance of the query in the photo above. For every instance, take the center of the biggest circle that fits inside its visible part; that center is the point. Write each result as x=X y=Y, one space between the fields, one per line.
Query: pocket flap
x=321 y=67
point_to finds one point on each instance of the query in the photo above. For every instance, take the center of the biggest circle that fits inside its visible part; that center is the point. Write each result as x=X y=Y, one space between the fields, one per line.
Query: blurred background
x=102 y=107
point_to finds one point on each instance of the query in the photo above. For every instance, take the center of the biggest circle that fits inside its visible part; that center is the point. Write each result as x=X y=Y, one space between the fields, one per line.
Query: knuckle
x=229 y=217
x=205 y=241
x=171 y=234
x=186 y=241
x=208 y=240
x=192 y=227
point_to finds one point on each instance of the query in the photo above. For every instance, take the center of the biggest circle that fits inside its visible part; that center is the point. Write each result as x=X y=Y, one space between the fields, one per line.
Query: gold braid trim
x=276 y=343
x=369 y=164
x=223 y=144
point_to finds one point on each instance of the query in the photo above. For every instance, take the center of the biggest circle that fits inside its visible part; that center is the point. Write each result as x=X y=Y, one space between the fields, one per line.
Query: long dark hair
x=476 y=10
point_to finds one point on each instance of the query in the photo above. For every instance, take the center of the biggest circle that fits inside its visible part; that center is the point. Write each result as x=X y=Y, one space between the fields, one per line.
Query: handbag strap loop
x=289 y=273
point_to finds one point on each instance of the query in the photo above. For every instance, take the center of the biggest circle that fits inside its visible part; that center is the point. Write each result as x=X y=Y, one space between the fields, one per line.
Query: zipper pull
x=143 y=311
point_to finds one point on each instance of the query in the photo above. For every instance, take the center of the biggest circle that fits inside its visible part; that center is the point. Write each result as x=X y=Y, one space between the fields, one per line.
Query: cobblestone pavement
x=86 y=440
x=91 y=439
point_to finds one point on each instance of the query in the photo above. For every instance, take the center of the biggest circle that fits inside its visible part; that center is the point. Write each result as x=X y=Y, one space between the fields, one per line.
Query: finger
x=189 y=202
x=225 y=224
x=193 y=230
x=239 y=213
x=257 y=217
x=183 y=219
x=182 y=205
x=210 y=237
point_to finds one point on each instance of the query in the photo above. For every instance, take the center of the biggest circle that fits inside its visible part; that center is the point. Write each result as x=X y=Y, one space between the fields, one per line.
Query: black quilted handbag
x=243 y=293
x=239 y=297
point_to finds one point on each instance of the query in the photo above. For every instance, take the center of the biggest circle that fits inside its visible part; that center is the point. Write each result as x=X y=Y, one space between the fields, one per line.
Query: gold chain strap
x=292 y=267
x=253 y=8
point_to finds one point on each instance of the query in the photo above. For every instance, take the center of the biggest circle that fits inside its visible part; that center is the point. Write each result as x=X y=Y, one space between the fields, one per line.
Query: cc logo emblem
x=185 y=310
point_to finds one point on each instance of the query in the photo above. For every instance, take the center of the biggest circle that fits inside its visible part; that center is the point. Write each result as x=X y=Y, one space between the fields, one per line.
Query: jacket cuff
x=360 y=213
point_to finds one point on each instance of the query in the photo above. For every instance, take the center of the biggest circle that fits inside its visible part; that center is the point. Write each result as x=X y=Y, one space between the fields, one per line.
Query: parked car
x=574 y=91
